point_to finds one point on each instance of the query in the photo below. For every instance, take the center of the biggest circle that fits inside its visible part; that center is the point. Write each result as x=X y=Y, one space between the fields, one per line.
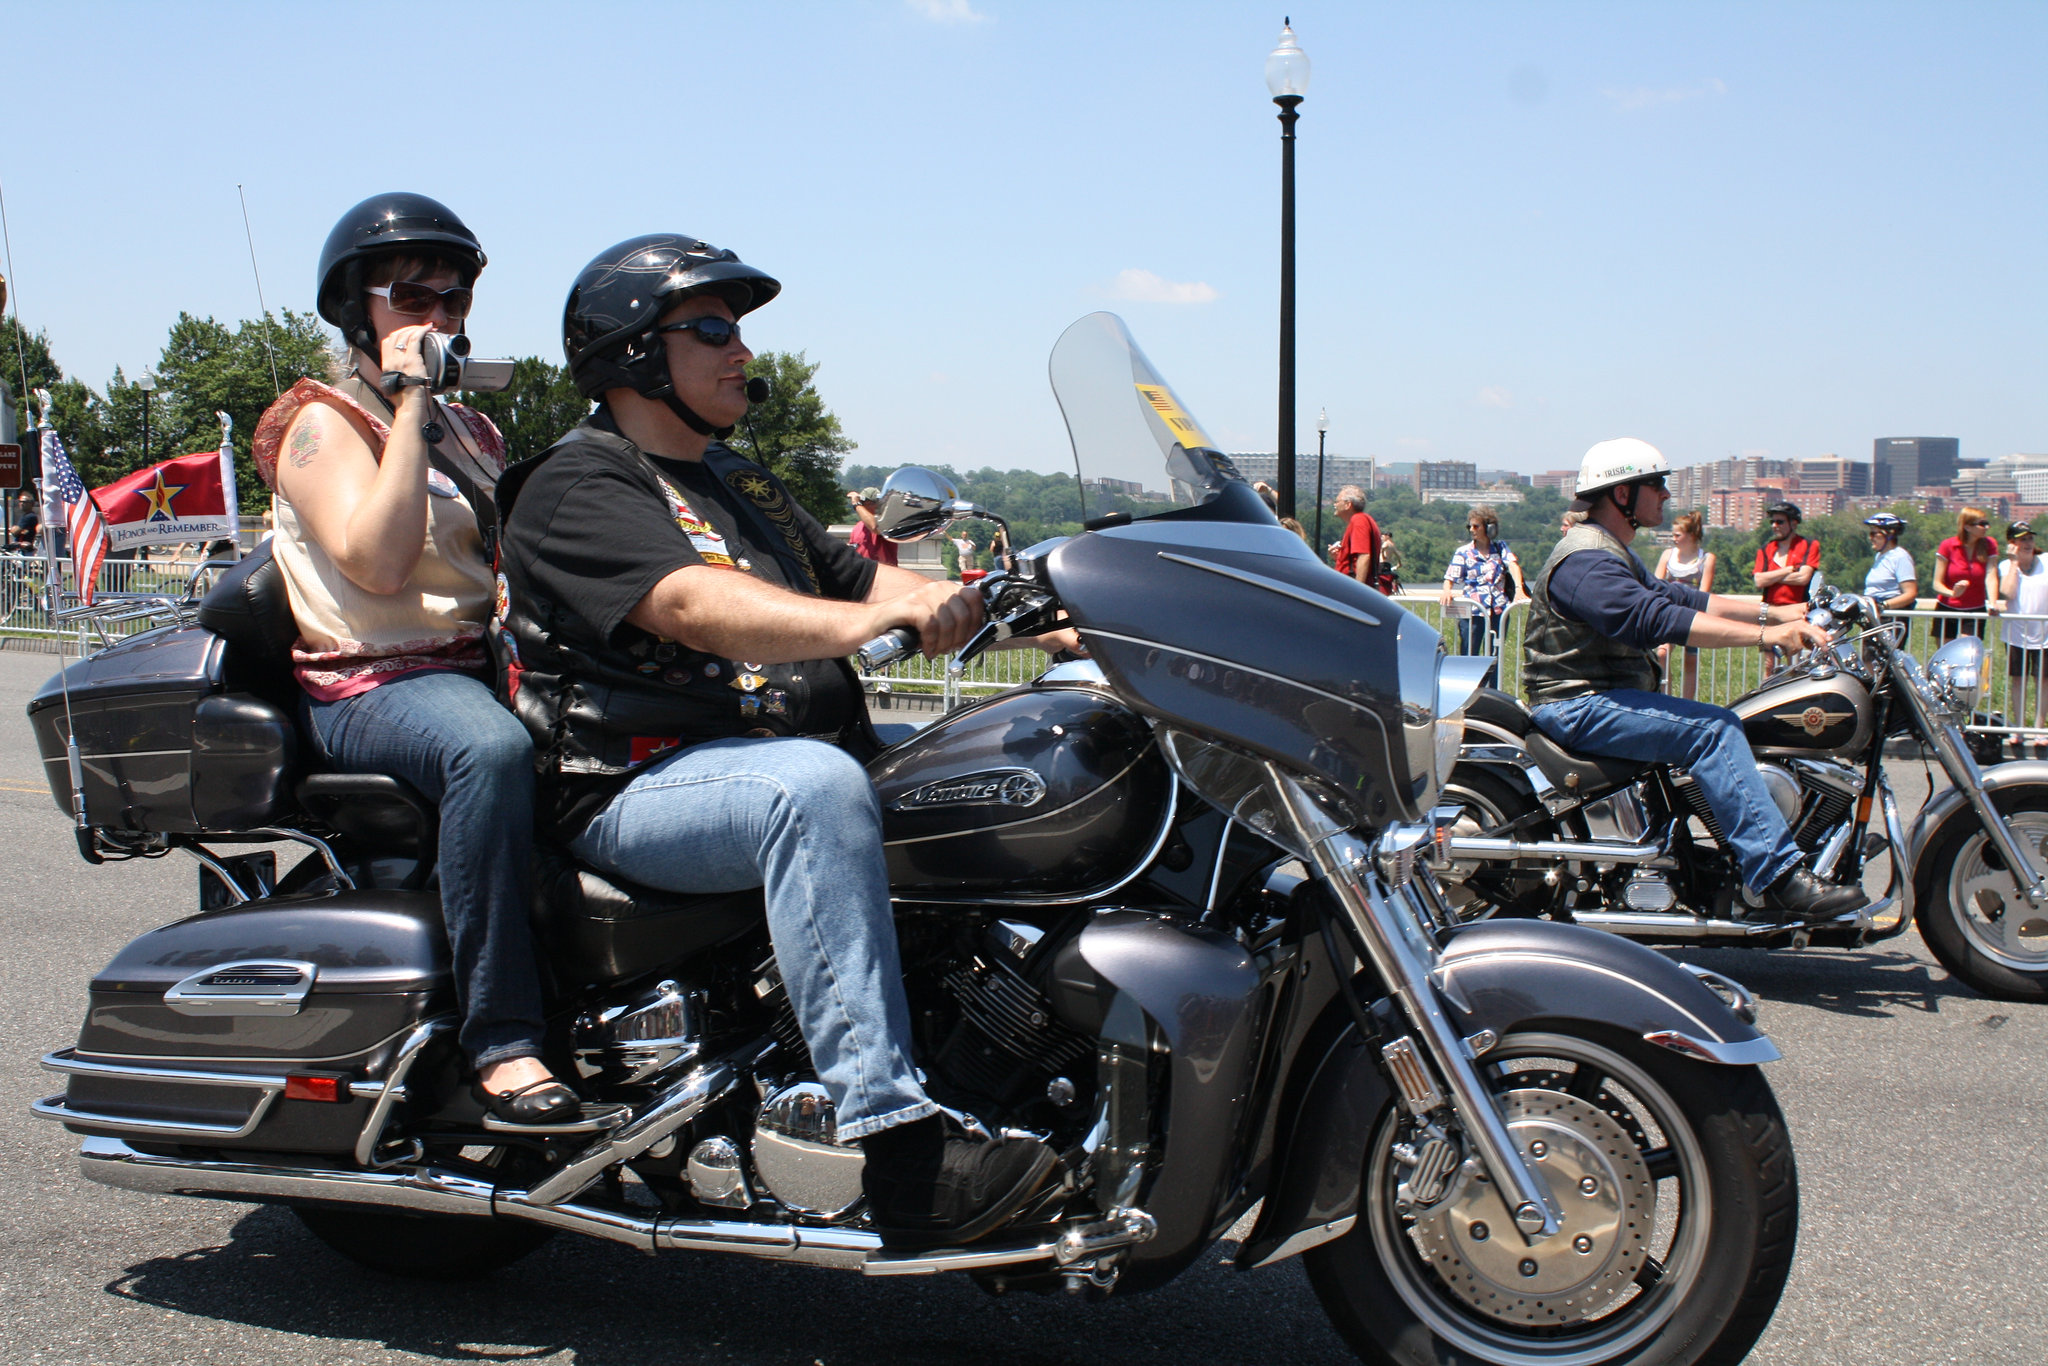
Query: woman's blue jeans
x=446 y=734
x=1627 y=723
x=798 y=818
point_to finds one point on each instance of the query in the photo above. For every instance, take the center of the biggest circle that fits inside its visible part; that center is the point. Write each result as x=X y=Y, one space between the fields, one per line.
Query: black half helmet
x=383 y=223
x=608 y=323
x=1789 y=511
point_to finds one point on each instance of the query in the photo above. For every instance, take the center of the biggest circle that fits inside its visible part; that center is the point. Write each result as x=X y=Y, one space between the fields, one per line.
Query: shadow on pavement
x=1876 y=983
x=593 y=1304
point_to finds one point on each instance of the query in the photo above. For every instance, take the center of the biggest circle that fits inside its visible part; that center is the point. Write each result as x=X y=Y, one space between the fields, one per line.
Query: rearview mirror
x=916 y=504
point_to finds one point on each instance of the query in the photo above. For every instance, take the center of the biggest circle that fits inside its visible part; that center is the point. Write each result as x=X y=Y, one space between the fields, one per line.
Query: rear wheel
x=431 y=1247
x=1680 y=1201
x=1970 y=913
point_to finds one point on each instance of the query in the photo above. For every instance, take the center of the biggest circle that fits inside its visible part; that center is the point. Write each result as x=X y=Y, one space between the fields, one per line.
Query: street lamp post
x=1287 y=78
x=1322 y=431
x=146 y=382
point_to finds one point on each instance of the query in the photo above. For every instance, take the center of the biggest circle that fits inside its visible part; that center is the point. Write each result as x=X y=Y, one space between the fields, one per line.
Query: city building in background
x=1446 y=478
x=1566 y=482
x=1903 y=463
x=1338 y=470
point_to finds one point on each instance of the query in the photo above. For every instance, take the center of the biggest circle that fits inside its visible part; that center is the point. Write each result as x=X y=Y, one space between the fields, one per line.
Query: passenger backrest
x=250 y=608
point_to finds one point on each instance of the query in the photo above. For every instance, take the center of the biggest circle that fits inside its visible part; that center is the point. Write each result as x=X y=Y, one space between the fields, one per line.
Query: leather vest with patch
x=1563 y=656
x=598 y=709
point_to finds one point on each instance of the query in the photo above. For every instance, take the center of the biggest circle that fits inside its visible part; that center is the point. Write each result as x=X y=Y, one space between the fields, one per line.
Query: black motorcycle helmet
x=608 y=323
x=1789 y=511
x=380 y=225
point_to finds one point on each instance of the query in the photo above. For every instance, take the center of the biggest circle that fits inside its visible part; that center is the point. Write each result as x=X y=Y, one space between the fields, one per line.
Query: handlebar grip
x=886 y=649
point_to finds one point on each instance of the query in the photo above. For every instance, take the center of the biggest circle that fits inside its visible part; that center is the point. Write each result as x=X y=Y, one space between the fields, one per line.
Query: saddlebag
x=301 y=1004
x=168 y=747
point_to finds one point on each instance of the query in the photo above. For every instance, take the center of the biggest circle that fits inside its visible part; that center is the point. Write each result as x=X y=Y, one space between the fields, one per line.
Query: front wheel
x=1968 y=910
x=1680 y=1201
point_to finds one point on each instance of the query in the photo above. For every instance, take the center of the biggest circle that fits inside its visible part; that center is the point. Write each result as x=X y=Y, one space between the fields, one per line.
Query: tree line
x=207 y=366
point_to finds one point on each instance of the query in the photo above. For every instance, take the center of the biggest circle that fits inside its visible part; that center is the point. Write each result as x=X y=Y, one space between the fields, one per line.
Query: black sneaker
x=926 y=1187
x=1799 y=895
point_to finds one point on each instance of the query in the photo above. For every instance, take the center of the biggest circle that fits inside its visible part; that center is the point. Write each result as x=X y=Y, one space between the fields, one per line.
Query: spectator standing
x=1358 y=550
x=1687 y=563
x=1962 y=564
x=867 y=540
x=1892 y=580
x=2023 y=589
x=21 y=538
x=1785 y=563
x=1486 y=572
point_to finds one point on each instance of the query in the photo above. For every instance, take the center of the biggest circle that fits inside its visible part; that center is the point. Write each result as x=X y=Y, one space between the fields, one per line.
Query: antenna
x=7 y=239
x=277 y=390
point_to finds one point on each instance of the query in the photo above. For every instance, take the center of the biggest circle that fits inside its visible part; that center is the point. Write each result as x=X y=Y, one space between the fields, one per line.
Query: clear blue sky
x=1724 y=228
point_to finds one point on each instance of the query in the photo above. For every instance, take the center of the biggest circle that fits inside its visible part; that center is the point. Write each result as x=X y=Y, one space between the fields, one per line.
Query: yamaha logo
x=991 y=787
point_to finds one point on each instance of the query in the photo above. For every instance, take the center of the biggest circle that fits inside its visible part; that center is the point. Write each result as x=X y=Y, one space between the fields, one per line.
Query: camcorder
x=451 y=367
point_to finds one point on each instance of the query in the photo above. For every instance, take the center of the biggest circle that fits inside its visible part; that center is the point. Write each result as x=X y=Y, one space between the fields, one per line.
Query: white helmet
x=1619 y=461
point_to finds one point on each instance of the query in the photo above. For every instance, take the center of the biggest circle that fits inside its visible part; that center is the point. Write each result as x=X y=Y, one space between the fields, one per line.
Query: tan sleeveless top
x=351 y=639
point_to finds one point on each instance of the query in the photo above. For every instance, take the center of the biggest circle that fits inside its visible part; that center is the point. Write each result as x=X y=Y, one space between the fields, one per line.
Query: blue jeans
x=1479 y=634
x=800 y=819
x=446 y=735
x=1651 y=728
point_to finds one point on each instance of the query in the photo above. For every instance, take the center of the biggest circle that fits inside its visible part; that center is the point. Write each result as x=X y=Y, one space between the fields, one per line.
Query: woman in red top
x=1785 y=563
x=1960 y=565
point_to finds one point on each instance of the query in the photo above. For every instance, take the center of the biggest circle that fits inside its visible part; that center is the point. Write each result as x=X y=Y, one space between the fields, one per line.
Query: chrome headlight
x=1955 y=674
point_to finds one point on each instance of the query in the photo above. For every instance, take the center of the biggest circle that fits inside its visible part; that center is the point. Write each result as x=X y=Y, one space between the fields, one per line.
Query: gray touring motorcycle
x=1172 y=909
x=1609 y=843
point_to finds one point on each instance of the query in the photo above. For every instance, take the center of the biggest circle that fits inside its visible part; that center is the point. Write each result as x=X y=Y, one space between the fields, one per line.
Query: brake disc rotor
x=1603 y=1192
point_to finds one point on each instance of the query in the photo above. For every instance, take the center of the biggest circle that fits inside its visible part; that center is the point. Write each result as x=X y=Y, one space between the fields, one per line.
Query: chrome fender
x=1500 y=975
x=1951 y=799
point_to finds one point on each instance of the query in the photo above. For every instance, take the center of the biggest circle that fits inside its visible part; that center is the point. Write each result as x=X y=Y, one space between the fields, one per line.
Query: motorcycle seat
x=595 y=928
x=1496 y=708
x=250 y=608
x=1581 y=775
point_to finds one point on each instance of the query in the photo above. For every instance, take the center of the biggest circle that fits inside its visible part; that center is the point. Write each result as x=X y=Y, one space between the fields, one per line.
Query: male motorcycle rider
x=1595 y=621
x=673 y=625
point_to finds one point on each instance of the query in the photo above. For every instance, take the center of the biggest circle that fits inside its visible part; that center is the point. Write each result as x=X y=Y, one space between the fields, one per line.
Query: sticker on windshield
x=1184 y=428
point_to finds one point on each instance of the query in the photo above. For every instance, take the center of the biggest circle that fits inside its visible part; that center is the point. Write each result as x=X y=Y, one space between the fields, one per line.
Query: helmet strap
x=656 y=384
x=1628 y=509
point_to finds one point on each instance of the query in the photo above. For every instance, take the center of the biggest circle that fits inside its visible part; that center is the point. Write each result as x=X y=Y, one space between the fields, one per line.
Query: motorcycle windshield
x=1126 y=422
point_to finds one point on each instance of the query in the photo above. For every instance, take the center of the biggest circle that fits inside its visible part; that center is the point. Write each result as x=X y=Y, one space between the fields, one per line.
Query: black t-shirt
x=596 y=534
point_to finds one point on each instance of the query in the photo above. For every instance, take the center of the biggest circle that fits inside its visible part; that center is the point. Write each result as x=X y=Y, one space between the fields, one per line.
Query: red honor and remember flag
x=181 y=499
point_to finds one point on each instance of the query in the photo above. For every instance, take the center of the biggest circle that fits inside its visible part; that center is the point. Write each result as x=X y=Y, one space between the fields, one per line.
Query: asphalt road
x=1914 y=1105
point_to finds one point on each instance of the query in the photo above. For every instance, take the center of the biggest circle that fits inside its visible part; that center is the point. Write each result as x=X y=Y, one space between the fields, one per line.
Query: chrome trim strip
x=65 y=1061
x=145 y=1059
x=1746 y=1053
x=1306 y=1239
x=1276 y=586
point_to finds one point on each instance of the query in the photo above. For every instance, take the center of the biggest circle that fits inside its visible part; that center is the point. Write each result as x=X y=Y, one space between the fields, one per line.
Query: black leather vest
x=600 y=709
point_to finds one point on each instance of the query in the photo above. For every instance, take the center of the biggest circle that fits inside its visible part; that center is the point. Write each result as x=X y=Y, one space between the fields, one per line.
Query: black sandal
x=546 y=1101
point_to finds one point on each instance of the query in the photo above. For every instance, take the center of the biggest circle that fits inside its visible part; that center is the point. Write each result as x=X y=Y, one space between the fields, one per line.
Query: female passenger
x=1685 y=562
x=1962 y=566
x=382 y=505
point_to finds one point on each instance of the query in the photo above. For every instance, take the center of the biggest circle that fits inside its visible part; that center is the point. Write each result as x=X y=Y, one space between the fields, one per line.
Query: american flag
x=88 y=533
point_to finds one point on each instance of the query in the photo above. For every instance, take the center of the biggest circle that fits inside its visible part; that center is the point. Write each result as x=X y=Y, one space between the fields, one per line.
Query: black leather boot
x=1799 y=895
x=926 y=1187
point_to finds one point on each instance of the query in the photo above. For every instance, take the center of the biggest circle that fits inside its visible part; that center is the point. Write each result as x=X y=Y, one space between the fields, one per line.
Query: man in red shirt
x=1785 y=563
x=1358 y=552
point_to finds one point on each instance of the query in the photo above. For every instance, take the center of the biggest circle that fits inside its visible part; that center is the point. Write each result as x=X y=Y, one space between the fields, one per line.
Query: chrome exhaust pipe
x=1488 y=850
x=428 y=1190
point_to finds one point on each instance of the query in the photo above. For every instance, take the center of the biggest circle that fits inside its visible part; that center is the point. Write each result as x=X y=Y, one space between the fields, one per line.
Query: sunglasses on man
x=711 y=330
x=410 y=299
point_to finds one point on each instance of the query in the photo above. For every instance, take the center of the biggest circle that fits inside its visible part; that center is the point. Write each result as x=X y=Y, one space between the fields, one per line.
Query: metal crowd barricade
x=124 y=587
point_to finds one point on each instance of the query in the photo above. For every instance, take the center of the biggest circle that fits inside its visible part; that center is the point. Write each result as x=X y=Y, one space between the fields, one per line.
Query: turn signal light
x=300 y=1086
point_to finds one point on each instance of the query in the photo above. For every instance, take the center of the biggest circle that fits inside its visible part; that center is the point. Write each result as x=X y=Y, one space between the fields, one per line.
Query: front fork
x=1389 y=920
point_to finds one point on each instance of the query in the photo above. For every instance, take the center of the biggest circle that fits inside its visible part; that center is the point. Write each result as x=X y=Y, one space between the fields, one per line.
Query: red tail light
x=300 y=1086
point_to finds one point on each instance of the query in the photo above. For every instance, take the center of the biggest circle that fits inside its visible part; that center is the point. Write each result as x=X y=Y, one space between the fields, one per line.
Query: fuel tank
x=1808 y=715
x=1044 y=792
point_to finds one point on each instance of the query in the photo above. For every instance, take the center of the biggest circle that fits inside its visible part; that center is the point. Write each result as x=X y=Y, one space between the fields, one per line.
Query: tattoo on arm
x=305 y=444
